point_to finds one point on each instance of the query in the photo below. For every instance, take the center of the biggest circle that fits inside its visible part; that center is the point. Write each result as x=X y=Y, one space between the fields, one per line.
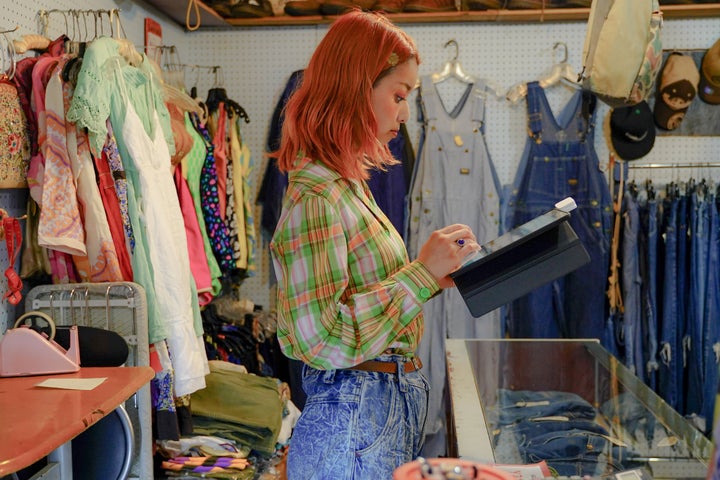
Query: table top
x=34 y=420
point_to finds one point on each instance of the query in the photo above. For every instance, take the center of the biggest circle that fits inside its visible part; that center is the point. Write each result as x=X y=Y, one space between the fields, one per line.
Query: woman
x=349 y=300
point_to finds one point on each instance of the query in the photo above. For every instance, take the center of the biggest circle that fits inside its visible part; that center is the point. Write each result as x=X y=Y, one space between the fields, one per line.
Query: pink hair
x=330 y=118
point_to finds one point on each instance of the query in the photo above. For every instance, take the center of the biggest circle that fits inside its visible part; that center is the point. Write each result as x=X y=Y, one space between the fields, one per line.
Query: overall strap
x=479 y=95
x=430 y=104
x=534 y=110
x=587 y=112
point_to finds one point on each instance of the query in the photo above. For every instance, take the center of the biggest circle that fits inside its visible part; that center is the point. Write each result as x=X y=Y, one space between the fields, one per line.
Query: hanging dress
x=559 y=160
x=455 y=182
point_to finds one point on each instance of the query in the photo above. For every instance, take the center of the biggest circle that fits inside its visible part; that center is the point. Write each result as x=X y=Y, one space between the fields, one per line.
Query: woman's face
x=389 y=99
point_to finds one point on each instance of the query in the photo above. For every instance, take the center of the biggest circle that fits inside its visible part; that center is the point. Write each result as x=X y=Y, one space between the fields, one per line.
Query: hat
x=678 y=87
x=709 y=88
x=632 y=131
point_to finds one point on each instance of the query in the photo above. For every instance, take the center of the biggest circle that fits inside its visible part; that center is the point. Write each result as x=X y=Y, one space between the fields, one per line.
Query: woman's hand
x=445 y=250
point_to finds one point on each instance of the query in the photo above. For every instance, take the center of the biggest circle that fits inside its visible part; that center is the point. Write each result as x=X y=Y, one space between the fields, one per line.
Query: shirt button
x=424 y=293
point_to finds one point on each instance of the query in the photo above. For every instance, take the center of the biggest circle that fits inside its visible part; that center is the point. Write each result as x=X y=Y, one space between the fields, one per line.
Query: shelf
x=177 y=11
x=210 y=19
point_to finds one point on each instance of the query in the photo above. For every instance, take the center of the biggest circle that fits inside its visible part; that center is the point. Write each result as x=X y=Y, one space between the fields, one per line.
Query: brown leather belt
x=409 y=365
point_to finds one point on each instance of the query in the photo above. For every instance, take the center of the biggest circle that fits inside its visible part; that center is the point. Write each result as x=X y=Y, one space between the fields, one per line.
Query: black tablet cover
x=526 y=257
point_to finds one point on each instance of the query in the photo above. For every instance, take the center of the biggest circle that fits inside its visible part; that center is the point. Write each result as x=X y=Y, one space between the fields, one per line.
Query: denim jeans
x=632 y=282
x=670 y=347
x=631 y=414
x=648 y=249
x=570 y=452
x=693 y=340
x=711 y=332
x=518 y=405
x=357 y=424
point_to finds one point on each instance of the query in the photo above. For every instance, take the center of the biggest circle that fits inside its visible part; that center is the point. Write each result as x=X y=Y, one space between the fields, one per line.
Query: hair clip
x=393 y=59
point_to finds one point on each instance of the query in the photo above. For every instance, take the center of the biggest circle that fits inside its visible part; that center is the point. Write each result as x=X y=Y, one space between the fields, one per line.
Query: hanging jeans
x=671 y=355
x=693 y=339
x=560 y=161
x=711 y=326
x=632 y=283
x=648 y=253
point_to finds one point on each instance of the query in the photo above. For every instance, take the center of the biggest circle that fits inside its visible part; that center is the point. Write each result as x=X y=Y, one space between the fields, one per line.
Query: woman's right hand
x=445 y=250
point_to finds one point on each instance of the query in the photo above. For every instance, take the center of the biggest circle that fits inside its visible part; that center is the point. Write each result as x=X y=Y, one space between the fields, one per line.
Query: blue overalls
x=560 y=161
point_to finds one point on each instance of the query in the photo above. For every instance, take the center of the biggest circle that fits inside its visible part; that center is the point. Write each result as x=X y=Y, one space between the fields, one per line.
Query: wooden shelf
x=210 y=19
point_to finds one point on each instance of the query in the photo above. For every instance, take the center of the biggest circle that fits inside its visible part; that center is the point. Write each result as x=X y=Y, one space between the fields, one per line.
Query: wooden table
x=35 y=421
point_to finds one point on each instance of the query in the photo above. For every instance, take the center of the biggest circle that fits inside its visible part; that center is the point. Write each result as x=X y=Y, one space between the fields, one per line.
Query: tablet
x=525 y=258
x=515 y=237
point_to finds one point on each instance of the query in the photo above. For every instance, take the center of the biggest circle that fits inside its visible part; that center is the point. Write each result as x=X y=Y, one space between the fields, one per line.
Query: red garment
x=111 y=204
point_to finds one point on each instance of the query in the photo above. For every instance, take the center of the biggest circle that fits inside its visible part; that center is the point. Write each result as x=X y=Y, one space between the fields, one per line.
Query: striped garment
x=346 y=290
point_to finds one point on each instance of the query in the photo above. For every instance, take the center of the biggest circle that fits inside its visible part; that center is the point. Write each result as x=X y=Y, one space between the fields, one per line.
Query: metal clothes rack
x=632 y=165
x=120 y=307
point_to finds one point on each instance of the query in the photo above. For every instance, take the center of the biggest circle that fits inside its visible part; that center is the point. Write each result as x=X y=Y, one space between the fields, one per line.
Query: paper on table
x=72 y=383
x=534 y=471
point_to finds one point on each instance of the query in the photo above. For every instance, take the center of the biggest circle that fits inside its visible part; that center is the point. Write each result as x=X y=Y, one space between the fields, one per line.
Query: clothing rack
x=75 y=16
x=211 y=68
x=673 y=165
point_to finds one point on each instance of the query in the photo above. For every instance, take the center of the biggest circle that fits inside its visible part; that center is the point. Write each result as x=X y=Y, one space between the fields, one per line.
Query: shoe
x=338 y=7
x=430 y=6
x=486 y=4
x=540 y=4
x=389 y=6
x=223 y=7
x=252 y=9
x=302 y=8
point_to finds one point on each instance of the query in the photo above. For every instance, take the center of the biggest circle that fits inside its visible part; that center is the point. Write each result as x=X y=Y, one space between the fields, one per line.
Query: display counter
x=568 y=402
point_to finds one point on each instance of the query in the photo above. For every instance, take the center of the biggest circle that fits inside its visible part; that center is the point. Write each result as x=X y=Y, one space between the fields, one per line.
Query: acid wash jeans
x=358 y=425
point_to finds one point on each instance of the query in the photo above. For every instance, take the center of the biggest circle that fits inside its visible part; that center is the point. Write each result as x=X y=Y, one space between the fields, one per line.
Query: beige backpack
x=623 y=51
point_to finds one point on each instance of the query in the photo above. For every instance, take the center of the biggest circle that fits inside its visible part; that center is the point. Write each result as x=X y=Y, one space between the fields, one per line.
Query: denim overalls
x=454 y=182
x=560 y=161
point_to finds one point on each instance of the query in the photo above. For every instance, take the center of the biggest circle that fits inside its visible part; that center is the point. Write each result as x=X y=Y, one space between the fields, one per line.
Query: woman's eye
x=399 y=98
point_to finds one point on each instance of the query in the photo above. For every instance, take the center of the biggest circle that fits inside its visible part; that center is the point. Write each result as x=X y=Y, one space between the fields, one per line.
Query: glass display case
x=570 y=403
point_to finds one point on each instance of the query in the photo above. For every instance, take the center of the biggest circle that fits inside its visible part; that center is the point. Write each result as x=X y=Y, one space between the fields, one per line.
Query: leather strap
x=409 y=365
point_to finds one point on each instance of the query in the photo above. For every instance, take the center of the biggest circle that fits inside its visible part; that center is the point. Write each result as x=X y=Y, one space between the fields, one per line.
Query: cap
x=709 y=88
x=632 y=131
x=677 y=89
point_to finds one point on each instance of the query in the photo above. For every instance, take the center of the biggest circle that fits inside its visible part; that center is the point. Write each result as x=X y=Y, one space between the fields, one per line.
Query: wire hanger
x=452 y=68
x=560 y=72
x=9 y=50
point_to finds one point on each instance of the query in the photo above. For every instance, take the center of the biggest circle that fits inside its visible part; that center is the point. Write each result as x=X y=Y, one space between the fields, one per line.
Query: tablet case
x=514 y=264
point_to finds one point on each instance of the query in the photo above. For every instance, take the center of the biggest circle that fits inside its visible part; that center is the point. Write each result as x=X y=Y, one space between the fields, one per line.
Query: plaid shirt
x=346 y=289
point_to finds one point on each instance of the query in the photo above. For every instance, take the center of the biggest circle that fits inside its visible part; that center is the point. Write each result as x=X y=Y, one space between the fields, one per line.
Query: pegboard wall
x=256 y=62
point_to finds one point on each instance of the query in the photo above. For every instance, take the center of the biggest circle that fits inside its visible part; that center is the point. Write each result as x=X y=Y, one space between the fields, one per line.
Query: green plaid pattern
x=346 y=289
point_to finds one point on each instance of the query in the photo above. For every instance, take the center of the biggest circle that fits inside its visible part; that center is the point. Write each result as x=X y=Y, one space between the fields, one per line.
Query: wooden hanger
x=127 y=48
x=31 y=42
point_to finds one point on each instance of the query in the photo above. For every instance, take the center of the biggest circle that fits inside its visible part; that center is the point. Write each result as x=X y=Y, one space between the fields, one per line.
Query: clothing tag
x=458 y=140
x=532 y=404
x=464 y=171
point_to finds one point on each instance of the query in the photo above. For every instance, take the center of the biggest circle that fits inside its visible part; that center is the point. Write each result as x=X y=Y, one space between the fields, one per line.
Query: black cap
x=632 y=131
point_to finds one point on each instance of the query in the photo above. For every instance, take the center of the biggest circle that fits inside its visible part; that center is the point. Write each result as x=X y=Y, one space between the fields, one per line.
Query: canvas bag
x=623 y=50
